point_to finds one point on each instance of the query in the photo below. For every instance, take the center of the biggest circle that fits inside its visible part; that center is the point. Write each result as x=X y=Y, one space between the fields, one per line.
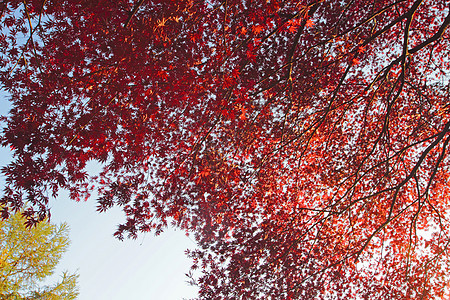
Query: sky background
x=146 y=268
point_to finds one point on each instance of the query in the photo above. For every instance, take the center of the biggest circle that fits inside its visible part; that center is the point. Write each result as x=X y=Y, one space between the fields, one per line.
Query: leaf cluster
x=303 y=143
x=29 y=256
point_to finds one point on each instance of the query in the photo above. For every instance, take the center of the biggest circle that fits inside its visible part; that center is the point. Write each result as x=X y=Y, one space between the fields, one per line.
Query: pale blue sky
x=147 y=268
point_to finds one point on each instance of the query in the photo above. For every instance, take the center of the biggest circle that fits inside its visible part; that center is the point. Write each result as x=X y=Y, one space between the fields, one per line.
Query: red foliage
x=303 y=143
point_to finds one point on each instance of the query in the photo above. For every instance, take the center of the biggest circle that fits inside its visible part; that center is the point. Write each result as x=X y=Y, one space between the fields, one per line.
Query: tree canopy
x=28 y=256
x=303 y=143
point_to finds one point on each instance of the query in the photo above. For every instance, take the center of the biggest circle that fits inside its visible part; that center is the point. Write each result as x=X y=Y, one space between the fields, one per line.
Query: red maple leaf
x=257 y=29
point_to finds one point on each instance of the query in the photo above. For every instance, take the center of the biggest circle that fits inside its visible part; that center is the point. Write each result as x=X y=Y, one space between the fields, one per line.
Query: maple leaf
x=162 y=22
x=257 y=29
x=292 y=28
x=309 y=23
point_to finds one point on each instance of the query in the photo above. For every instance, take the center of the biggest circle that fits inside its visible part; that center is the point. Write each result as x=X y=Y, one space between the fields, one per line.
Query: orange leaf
x=309 y=23
x=257 y=29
